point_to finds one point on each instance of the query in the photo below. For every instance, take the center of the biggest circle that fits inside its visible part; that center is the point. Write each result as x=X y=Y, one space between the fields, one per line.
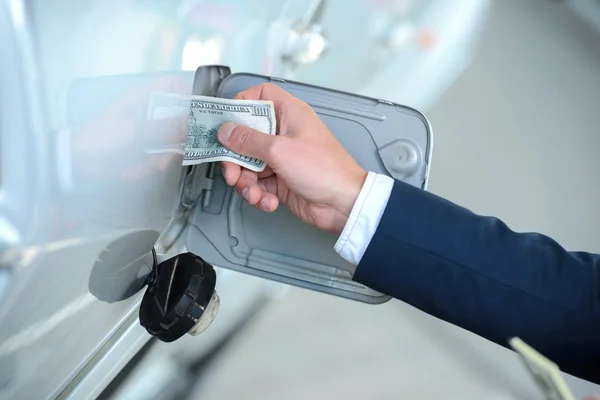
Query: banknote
x=205 y=116
x=545 y=373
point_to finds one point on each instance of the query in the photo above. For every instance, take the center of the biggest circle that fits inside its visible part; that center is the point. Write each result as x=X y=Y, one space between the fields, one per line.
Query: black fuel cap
x=180 y=298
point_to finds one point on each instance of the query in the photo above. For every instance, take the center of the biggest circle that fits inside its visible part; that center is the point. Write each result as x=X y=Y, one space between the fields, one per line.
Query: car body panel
x=74 y=175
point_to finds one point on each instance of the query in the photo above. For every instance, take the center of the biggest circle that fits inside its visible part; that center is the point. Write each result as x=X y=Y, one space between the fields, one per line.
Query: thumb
x=246 y=141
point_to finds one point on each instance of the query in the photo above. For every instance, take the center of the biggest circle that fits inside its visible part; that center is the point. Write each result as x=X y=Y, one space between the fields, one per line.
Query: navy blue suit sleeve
x=476 y=273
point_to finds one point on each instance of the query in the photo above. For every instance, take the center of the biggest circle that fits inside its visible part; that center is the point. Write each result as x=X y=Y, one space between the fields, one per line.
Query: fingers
x=268 y=184
x=247 y=141
x=282 y=100
x=231 y=172
x=265 y=91
x=258 y=189
x=247 y=187
x=258 y=193
x=268 y=202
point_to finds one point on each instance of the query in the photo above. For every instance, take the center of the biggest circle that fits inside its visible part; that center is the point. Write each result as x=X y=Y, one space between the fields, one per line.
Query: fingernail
x=245 y=193
x=225 y=131
x=265 y=204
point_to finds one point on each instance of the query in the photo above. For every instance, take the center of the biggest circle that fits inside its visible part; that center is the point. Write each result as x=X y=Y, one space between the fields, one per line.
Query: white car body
x=59 y=209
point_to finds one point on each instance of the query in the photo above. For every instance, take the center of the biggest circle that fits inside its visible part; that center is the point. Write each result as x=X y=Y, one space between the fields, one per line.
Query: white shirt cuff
x=364 y=218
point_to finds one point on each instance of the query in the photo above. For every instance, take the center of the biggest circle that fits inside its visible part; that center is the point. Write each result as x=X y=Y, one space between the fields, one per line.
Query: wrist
x=347 y=198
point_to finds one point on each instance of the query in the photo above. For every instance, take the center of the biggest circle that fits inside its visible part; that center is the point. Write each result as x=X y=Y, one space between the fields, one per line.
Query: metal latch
x=199 y=185
x=199 y=179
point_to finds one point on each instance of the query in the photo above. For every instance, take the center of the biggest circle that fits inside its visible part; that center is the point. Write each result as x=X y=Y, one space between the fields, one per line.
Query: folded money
x=206 y=115
x=545 y=373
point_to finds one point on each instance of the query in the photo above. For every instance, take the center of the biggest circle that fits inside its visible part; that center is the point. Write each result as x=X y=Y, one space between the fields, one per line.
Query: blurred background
x=512 y=90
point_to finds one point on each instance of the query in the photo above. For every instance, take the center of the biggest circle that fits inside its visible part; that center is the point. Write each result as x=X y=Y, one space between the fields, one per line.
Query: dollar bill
x=545 y=373
x=205 y=115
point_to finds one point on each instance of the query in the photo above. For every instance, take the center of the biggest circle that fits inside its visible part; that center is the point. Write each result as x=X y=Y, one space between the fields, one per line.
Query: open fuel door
x=383 y=137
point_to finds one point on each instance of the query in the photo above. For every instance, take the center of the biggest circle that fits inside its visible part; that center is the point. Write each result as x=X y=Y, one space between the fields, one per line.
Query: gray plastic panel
x=383 y=137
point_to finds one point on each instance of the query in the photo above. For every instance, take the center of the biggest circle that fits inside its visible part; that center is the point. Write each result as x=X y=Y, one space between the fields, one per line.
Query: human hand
x=308 y=170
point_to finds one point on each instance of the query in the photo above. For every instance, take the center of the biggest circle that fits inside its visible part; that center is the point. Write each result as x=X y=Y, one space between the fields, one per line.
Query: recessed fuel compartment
x=383 y=137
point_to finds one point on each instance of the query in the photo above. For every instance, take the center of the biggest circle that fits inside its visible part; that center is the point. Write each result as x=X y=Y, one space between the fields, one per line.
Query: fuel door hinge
x=198 y=186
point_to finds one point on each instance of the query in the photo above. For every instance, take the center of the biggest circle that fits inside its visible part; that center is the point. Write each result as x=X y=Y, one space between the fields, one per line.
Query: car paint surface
x=76 y=181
